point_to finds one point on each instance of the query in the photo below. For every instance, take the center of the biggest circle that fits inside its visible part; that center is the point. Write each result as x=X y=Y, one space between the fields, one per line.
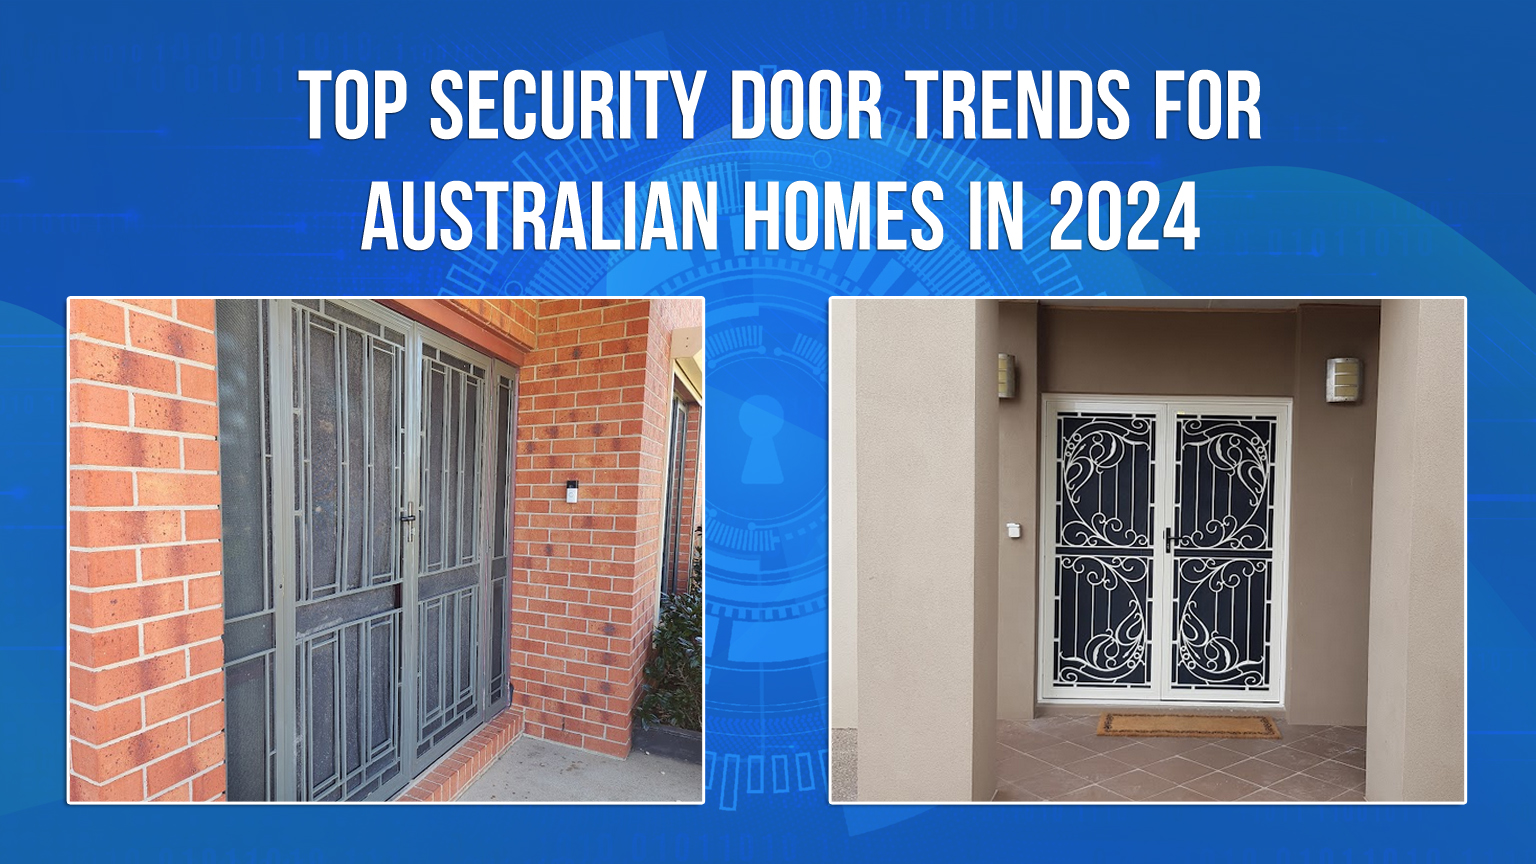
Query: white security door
x=1163 y=528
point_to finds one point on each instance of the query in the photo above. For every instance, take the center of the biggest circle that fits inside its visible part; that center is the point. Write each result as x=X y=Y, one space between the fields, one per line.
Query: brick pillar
x=146 y=686
x=593 y=407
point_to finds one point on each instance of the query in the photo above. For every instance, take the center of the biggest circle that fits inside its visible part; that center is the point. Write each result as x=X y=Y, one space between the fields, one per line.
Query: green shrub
x=674 y=682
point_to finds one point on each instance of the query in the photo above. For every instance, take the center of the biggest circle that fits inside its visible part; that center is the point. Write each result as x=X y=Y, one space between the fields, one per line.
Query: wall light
x=1343 y=380
x=1007 y=381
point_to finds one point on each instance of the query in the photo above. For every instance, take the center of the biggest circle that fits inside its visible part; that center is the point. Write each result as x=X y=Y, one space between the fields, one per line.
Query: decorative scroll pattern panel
x=1223 y=550
x=1104 y=498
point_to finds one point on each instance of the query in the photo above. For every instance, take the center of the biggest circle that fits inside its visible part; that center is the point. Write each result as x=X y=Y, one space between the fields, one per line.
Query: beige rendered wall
x=1416 y=732
x=926 y=428
x=985 y=528
x=1176 y=353
x=1333 y=454
x=842 y=505
x=1018 y=464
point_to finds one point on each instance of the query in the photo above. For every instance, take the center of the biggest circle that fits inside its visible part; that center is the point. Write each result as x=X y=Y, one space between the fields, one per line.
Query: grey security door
x=365 y=481
x=1162 y=571
x=348 y=410
x=455 y=395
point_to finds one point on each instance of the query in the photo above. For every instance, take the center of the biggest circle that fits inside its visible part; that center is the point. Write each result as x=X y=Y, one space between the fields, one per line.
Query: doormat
x=1187 y=726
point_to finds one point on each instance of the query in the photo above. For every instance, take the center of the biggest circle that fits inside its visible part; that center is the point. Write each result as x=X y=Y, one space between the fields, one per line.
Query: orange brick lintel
x=452 y=774
x=461 y=325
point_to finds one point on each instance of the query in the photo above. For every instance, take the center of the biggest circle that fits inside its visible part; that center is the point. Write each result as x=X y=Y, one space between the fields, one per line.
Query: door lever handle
x=1167 y=539
x=408 y=516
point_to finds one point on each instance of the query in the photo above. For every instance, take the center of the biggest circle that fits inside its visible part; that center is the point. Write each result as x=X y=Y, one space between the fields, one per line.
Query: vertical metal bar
x=269 y=462
x=271 y=752
x=339 y=357
x=459 y=477
x=511 y=517
x=398 y=446
x=442 y=648
x=370 y=475
x=344 y=460
x=487 y=534
x=445 y=487
x=306 y=451
x=339 y=709
x=483 y=449
x=284 y=572
x=364 y=696
x=411 y=379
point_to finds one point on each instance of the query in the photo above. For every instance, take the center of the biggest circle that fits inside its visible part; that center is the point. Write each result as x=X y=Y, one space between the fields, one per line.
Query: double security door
x=366 y=496
x=1163 y=550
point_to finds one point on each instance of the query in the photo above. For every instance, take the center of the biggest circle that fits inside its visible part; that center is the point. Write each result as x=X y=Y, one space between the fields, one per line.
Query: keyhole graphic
x=761 y=418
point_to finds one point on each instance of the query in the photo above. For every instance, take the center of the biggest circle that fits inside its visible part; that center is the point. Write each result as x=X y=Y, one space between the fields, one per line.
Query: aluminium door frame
x=284 y=575
x=672 y=504
x=280 y=370
x=508 y=450
x=1161 y=693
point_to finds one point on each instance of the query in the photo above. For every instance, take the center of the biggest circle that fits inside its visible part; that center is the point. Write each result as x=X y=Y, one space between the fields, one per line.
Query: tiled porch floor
x=1063 y=759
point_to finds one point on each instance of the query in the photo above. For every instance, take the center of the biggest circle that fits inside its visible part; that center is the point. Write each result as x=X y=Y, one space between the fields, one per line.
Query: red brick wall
x=580 y=408
x=668 y=314
x=518 y=319
x=145 y=653
x=593 y=408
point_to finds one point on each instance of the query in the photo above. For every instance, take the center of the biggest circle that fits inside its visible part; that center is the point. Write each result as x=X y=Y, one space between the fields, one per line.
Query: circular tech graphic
x=766 y=394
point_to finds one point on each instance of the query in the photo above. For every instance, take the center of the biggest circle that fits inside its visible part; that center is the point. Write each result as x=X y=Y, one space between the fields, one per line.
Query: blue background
x=162 y=150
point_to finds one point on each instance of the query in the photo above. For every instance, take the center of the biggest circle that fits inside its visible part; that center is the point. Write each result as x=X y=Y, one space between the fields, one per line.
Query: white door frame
x=1160 y=692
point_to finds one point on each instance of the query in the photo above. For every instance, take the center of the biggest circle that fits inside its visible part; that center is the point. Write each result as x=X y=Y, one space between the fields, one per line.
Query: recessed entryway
x=1160 y=506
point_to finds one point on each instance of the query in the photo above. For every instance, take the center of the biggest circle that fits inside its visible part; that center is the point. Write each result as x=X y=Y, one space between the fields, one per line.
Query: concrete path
x=533 y=769
x=845 y=765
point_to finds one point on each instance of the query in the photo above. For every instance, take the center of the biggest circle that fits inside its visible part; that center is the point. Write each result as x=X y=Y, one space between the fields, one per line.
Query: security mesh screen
x=245 y=483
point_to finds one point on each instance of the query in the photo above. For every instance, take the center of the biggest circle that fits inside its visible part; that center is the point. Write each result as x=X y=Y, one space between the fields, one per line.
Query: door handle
x=1167 y=539
x=408 y=516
